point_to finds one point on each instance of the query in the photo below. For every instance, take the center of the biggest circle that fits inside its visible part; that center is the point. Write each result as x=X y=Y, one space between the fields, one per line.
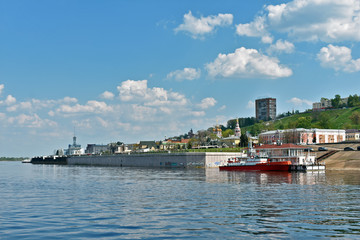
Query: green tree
x=335 y=102
x=353 y=101
x=291 y=124
x=256 y=128
x=355 y=118
x=303 y=122
x=227 y=133
x=281 y=125
x=243 y=140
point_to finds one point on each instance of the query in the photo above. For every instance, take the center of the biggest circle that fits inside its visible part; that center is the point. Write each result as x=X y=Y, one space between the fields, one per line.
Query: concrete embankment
x=203 y=159
x=341 y=160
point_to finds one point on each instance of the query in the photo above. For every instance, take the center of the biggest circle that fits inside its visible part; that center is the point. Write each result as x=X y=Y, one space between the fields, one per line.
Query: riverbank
x=341 y=160
x=12 y=158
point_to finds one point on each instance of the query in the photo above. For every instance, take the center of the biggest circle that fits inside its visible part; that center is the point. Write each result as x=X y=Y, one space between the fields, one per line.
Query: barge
x=54 y=159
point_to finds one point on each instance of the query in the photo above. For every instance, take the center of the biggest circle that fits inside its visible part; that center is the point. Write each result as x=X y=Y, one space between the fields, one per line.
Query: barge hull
x=258 y=167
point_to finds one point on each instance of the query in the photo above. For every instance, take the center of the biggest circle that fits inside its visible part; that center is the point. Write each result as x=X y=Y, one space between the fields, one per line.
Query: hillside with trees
x=348 y=118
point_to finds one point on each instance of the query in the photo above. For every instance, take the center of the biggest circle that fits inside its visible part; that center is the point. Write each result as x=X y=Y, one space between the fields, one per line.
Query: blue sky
x=142 y=70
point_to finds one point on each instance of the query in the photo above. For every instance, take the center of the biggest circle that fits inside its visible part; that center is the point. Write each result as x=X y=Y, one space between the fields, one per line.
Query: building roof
x=301 y=130
x=352 y=130
x=276 y=146
x=149 y=144
x=232 y=138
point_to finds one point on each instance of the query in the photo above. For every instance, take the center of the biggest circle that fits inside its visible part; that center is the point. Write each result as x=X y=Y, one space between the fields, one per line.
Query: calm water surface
x=77 y=202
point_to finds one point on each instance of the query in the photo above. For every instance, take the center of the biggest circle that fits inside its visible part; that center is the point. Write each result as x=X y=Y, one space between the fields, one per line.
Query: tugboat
x=277 y=157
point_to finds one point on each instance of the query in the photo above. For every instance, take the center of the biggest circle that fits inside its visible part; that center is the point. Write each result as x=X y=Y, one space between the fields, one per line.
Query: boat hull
x=259 y=167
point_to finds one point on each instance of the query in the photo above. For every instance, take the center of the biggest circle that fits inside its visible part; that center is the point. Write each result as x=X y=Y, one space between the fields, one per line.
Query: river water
x=79 y=202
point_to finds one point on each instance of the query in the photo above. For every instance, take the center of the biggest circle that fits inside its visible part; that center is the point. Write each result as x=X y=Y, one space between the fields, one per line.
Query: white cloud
x=2 y=116
x=91 y=106
x=1 y=88
x=107 y=95
x=143 y=113
x=103 y=122
x=246 y=63
x=308 y=20
x=281 y=46
x=40 y=104
x=131 y=89
x=31 y=121
x=338 y=58
x=68 y=100
x=299 y=102
x=138 y=91
x=10 y=100
x=207 y=102
x=199 y=27
x=257 y=28
x=185 y=74
x=250 y=105
x=197 y=113
x=34 y=104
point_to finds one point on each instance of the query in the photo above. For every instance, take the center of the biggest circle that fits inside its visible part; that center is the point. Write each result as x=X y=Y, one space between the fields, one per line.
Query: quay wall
x=203 y=159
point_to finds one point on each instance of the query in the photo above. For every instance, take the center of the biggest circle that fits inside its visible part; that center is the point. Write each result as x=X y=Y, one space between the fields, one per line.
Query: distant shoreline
x=12 y=159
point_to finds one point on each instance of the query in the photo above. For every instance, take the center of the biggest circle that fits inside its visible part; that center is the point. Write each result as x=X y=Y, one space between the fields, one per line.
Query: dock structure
x=305 y=168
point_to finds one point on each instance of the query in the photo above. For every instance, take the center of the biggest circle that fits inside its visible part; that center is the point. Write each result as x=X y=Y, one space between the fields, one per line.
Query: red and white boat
x=279 y=157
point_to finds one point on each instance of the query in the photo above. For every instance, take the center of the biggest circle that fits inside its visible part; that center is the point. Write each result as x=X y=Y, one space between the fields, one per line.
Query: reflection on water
x=214 y=175
x=67 y=202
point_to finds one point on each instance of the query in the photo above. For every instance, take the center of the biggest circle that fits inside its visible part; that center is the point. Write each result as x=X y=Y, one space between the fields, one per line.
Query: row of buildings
x=300 y=136
x=326 y=103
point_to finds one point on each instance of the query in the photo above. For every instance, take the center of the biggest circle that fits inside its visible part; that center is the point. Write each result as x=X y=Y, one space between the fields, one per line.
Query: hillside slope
x=348 y=118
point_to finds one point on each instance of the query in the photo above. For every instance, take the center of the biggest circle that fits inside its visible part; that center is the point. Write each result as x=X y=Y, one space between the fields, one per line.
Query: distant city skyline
x=142 y=70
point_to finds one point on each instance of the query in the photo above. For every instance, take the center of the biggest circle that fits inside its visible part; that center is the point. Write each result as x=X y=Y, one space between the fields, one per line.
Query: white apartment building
x=302 y=136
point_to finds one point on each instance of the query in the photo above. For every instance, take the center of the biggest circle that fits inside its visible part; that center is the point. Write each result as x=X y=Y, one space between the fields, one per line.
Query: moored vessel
x=279 y=157
x=54 y=159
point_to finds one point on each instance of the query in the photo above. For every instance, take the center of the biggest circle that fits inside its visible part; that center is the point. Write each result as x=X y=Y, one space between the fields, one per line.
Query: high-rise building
x=265 y=109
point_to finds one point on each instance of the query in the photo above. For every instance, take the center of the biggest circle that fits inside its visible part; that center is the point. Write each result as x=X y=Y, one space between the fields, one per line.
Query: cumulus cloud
x=281 y=46
x=299 y=102
x=35 y=104
x=338 y=58
x=1 y=88
x=308 y=20
x=199 y=27
x=257 y=28
x=246 y=63
x=185 y=74
x=138 y=91
x=90 y=107
x=207 y=102
x=32 y=121
x=107 y=95
x=10 y=100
